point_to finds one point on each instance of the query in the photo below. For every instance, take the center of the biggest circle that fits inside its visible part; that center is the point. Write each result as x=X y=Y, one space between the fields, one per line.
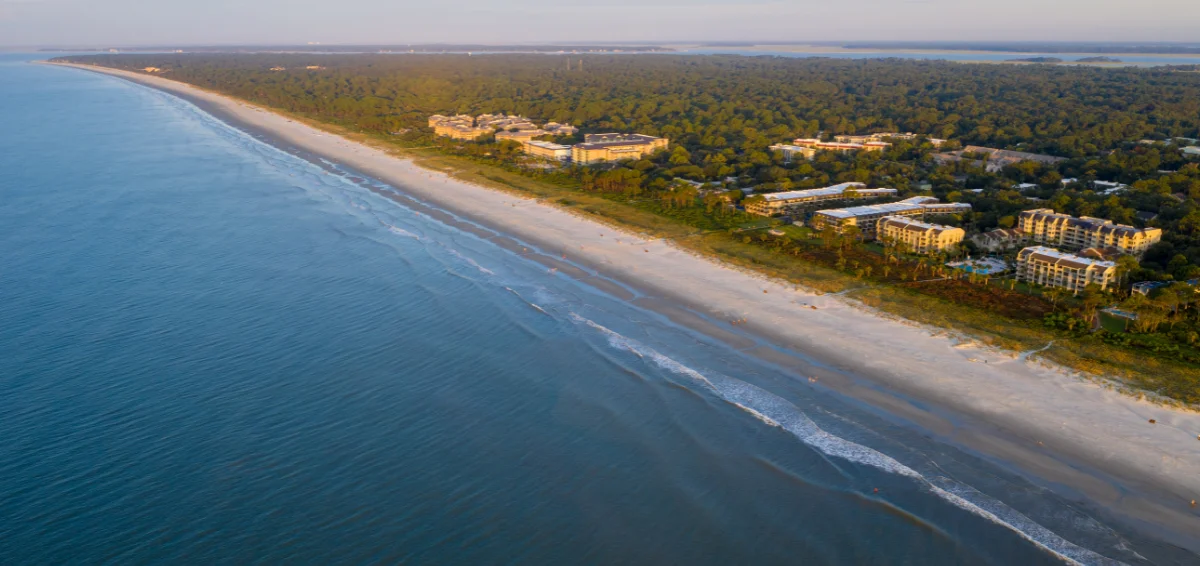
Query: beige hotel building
x=919 y=237
x=1052 y=268
x=602 y=148
x=1045 y=226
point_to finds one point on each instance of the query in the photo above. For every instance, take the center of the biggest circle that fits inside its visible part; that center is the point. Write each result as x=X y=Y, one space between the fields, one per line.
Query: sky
x=214 y=22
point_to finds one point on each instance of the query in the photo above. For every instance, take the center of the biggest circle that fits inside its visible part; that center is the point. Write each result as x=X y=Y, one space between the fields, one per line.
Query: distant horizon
x=847 y=43
x=59 y=23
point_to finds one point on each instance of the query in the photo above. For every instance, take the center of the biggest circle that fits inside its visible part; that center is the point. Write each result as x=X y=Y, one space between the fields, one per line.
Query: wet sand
x=1079 y=438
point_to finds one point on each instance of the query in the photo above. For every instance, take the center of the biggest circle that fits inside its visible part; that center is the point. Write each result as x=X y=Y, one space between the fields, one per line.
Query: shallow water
x=215 y=351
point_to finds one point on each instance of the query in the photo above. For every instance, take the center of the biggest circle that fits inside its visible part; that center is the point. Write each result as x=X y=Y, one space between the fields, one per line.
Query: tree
x=1126 y=265
x=1055 y=294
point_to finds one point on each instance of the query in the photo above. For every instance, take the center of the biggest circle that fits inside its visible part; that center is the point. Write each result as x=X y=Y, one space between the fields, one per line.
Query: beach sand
x=1077 y=436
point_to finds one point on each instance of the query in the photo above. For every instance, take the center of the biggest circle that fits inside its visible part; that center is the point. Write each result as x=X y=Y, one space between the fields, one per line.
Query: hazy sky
x=141 y=22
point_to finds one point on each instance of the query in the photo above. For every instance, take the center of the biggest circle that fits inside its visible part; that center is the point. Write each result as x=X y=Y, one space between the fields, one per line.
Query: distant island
x=1056 y=60
x=408 y=48
x=1036 y=60
x=1098 y=60
x=1035 y=47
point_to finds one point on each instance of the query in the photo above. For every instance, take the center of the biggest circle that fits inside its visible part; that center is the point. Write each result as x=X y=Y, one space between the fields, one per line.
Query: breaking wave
x=402 y=232
x=776 y=411
x=470 y=261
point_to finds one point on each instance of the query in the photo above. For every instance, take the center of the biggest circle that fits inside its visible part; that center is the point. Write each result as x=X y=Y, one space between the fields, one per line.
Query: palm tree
x=1126 y=265
x=1055 y=294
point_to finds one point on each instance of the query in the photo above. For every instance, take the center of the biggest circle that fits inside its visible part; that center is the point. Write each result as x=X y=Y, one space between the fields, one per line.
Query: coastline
x=1074 y=435
x=804 y=48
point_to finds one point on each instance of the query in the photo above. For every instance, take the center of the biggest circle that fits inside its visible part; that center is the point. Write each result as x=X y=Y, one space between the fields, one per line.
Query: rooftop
x=833 y=190
x=909 y=222
x=902 y=206
x=1056 y=257
x=548 y=145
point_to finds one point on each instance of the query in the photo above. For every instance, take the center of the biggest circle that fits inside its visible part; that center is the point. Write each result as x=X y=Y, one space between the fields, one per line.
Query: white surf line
x=776 y=411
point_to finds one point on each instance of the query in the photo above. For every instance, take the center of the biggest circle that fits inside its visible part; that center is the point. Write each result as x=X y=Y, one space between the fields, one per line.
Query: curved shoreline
x=1074 y=436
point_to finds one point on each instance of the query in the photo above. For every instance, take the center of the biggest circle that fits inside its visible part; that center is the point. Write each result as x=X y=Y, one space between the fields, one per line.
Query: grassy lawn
x=1112 y=323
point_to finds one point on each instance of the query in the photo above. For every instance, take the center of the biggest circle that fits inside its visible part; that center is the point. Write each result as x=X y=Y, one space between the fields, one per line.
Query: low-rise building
x=917 y=236
x=547 y=150
x=560 y=129
x=602 y=148
x=1000 y=239
x=792 y=201
x=1045 y=226
x=866 y=218
x=504 y=122
x=520 y=135
x=791 y=151
x=1052 y=268
x=995 y=159
x=908 y=136
x=840 y=147
x=458 y=131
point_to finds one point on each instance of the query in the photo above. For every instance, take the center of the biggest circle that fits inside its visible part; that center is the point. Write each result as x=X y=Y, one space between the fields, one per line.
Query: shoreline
x=1075 y=436
x=808 y=48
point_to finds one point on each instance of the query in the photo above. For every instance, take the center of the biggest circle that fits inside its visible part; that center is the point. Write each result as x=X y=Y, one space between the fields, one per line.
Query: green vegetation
x=722 y=113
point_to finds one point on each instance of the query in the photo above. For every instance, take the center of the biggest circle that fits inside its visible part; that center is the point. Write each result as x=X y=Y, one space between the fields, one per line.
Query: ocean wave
x=402 y=232
x=470 y=261
x=778 y=412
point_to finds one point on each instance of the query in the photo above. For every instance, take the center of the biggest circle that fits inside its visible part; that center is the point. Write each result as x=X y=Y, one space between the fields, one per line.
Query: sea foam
x=776 y=411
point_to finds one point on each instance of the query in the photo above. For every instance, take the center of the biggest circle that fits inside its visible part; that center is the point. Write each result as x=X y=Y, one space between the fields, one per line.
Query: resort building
x=1045 y=226
x=1000 y=239
x=919 y=237
x=521 y=135
x=791 y=151
x=504 y=122
x=994 y=159
x=818 y=145
x=458 y=131
x=793 y=201
x=866 y=218
x=547 y=150
x=461 y=120
x=560 y=129
x=603 y=148
x=868 y=138
x=1052 y=268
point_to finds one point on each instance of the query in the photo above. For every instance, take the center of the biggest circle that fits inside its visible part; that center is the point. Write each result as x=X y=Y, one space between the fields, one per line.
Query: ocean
x=217 y=351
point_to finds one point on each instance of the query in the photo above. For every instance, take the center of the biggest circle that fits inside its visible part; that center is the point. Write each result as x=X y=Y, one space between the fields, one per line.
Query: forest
x=722 y=113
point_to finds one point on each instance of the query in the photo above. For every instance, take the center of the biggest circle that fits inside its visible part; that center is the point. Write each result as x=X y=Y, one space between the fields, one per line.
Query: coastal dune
x=1076 y=434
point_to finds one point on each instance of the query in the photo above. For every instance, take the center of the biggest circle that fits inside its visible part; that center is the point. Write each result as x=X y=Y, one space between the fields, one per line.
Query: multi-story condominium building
x=919 y=237
x=1052 y=268
x=793 y=201
x=461 y=120
x=520 y=135
x=1045 y=226
x=994 y=159
x=547 y=150
x=791 y=151
x=600 y=148
x=504 y=122
x=459 y=131
x=816 y=144
x=866 y=218
x=999 y=239
x=560 y=129
x=885 y=136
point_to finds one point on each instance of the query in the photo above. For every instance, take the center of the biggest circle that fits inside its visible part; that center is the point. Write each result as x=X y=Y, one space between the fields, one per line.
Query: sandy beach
x=1075 y=435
